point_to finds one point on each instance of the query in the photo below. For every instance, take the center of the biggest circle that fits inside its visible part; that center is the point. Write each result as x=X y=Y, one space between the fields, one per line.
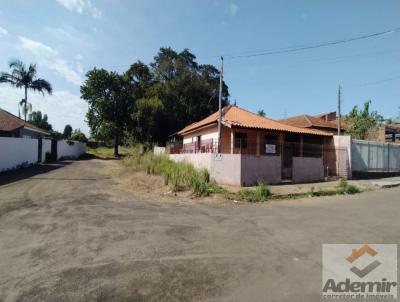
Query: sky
x=66 y=38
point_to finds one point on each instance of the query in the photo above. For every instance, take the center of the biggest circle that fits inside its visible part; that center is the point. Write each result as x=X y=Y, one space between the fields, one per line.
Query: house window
x=271 y=145
x=240 y=140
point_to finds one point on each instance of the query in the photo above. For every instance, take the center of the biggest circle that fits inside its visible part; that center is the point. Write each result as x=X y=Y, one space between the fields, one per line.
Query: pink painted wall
x=266 y=169
x=307 y=169
x=236 y=169
x=227 y=170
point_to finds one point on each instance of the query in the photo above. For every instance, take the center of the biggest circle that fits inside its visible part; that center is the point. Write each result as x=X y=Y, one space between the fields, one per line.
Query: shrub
x=345 y=188
x=260 y=193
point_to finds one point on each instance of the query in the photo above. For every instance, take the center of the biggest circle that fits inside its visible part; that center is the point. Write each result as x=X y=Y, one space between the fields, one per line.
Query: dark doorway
x=40 y=146
x=53 y=149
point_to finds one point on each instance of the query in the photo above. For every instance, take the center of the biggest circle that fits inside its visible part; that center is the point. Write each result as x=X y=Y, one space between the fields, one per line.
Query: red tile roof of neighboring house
x=238 y=117
x=9 y=122
x=307 y=121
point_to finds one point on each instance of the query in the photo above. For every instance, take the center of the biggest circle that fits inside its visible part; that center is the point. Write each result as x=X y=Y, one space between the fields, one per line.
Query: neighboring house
x=13 y=126
x=385 y=134
x=253 y=149
x=327 y=122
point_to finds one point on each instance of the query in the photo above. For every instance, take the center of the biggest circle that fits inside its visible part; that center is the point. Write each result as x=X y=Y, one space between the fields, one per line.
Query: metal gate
x=369 y=156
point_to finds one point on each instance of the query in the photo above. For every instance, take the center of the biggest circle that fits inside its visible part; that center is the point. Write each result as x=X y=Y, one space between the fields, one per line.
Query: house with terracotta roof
x=327 y=122
x=13 y=126
x=253 y=148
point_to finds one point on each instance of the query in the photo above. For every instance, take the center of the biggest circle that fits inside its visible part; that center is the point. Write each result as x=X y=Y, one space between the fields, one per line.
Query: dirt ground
x=70 y=232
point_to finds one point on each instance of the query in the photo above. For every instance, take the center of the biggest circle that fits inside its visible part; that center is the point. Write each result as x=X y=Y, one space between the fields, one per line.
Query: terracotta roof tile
x=236 y=116
x=9 y=122
x=308 y=121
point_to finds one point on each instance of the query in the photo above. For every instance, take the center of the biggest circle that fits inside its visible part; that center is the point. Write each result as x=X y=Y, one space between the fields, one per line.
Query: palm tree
x=22 y=77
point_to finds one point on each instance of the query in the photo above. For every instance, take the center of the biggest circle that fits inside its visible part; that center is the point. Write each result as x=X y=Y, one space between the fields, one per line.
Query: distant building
x=327 y=122
x=385 y=134
x=13 y=126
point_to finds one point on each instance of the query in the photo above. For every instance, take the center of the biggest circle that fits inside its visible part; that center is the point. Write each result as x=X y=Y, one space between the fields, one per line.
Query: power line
x=374 y=83
x=325 y=44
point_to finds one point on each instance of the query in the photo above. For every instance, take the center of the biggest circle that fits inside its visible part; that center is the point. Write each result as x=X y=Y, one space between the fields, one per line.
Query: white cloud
x=233 y=9
x=49 y=58
x=61 y=67
x=62 y=107
x=3 y=32
x=80 y=6
x=37 y=48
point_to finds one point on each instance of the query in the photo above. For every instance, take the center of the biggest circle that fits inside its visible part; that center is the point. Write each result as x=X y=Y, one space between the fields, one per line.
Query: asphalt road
x=72 y=234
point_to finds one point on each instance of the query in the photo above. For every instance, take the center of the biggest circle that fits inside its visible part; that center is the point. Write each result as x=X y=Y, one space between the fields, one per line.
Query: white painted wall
x=16 y=151
x=67 y=151
x=207 y=133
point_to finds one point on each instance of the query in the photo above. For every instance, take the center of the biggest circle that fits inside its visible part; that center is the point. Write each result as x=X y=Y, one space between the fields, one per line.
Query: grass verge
x=178 y=176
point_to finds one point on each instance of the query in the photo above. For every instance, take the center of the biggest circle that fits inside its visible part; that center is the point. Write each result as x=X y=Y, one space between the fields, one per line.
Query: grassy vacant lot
x=105 y=152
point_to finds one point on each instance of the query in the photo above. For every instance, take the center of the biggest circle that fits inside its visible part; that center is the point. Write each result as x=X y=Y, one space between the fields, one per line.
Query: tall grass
x=178 y=175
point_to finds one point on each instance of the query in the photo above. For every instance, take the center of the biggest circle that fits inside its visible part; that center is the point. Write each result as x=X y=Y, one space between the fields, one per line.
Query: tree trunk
x=116 y=141
x=26 y=101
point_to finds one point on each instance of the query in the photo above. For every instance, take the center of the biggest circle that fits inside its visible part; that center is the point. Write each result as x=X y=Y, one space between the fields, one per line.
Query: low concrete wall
x=17 y=151
x=235 y=169
x=307 y=169
x=226 y=169
x=266 y=169
x=70 y=150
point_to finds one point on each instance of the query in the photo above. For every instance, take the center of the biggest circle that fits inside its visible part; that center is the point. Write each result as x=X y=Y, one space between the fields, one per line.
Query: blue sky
x=66 y=38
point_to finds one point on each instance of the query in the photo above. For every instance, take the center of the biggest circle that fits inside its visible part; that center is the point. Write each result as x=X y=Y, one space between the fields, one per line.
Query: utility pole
x=221 y=76
x=338 y=112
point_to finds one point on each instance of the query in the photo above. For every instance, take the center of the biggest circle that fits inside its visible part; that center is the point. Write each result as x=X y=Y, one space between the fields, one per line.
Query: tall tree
x=110 y=104
x=36 y=118
x=362 y=121
x=67 y=131
x=79 y=136
x=23 y=77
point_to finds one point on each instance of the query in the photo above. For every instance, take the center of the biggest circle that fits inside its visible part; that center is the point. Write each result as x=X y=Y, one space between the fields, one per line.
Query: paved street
x=72 y=234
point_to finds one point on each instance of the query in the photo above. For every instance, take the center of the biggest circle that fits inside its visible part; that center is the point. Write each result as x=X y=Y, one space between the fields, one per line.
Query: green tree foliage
x=67 y=131
x=362 y=121
x=36 y=118
x=160 y=98
x=147 y=118
x=23 y=77
x=78 y=135
x=110 y=100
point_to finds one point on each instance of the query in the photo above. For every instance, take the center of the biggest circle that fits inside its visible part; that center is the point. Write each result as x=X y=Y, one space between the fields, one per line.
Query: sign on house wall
x=270 y=149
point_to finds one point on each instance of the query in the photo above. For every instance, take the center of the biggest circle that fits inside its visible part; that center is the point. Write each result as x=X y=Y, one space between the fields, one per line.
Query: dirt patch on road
x=14 y=205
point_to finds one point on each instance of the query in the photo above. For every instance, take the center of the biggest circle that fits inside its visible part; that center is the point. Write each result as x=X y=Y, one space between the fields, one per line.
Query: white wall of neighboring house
x=71 y=149
x=205 y=134
x=15 y=151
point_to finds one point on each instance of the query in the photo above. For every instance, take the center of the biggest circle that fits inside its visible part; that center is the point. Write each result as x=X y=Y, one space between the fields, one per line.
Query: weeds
x=261 y=193
x=177 y=175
